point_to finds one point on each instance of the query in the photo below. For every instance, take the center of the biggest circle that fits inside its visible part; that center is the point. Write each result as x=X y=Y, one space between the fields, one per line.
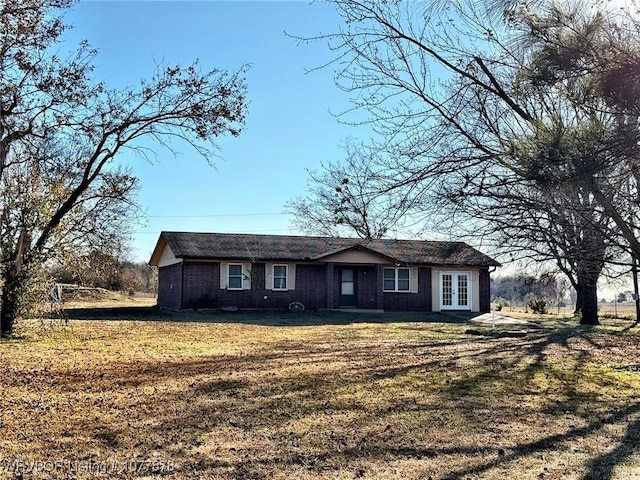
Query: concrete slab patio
x=493 y=318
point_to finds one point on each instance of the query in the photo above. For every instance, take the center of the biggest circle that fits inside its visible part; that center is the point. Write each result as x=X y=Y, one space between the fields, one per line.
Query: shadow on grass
x=260 y=395
x=275 y=319
x=342 y=408
x=601 y=467
x=533 y=356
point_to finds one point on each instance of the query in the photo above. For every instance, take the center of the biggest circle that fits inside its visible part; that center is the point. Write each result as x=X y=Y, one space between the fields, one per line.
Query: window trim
x=286 y=277
x=229 y=265
x=395 y=279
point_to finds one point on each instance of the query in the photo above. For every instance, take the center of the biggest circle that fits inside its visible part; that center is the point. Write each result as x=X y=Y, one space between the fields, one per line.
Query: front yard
x=252 y=397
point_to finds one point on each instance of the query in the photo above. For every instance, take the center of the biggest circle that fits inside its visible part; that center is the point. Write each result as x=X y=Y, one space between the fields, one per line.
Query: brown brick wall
x=201 y=285
x=202 y=288
x=197 y=285
x=370 y=295
x=412 y=302
x=170 y=287
x=309 y=290
x=311 y=286
x=367 y=283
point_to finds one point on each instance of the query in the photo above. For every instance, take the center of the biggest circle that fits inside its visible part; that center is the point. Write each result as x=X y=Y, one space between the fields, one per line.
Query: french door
x=455 y=291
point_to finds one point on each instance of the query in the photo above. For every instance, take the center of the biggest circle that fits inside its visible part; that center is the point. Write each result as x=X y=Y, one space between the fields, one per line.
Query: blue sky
x=289 y=127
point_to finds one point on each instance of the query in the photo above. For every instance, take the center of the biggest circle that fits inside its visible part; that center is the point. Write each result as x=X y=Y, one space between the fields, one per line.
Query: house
x=209 y=270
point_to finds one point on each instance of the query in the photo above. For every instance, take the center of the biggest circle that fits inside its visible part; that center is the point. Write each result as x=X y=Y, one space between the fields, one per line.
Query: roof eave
x=161 y=244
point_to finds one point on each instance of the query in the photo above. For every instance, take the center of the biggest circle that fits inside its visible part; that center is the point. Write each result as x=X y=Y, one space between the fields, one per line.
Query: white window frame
x=269 y=276
x=395 y=280
x=242 y=276
x=286 y=277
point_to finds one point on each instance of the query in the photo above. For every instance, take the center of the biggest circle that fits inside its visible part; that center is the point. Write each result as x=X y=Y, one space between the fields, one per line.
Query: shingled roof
x=189 y=245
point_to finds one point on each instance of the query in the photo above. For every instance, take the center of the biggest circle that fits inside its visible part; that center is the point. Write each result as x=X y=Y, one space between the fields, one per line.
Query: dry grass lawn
x=308 y=396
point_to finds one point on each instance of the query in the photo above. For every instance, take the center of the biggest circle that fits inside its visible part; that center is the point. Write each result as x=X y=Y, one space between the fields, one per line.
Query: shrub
x=535 y=304
x=500 y=304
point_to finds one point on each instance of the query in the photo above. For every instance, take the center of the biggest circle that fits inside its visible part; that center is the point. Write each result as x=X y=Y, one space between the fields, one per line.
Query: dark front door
x=347 y=287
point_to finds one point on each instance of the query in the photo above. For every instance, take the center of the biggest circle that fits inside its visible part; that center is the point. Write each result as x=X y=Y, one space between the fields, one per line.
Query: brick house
x=210 y=270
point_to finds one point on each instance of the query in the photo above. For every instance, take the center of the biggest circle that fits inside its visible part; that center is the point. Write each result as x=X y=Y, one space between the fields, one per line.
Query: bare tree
x=460 y=86
x=358 y=195
x=61 y=134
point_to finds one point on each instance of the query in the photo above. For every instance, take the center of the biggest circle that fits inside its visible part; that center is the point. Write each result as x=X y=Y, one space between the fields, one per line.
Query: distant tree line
x=535 y=292
x=624 y=297
x=104 y=270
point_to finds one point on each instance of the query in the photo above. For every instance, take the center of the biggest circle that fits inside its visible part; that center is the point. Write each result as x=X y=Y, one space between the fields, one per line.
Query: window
x=389 y=279
x=234 y=279
x=396 y=280
x=279 y=277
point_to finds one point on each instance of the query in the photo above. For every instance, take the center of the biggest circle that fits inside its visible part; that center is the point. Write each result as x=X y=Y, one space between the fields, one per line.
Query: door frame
x=455 y=303
x=354 y=295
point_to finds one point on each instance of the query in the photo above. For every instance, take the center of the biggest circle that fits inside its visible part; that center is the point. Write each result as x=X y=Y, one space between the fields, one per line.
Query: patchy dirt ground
x=253 y=397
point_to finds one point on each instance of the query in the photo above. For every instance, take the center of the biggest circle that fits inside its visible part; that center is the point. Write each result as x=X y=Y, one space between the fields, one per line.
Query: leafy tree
x=597 y=60
x=61 y=134
x=624 y=297
x=543 y=209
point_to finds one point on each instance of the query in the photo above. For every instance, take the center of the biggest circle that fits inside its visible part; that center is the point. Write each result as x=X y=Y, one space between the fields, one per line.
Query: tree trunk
x=588 y=299
x=579 y=298
x=12 y=292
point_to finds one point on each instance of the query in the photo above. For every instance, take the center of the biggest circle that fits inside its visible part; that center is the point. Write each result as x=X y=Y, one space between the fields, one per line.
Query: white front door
x=455 y=291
